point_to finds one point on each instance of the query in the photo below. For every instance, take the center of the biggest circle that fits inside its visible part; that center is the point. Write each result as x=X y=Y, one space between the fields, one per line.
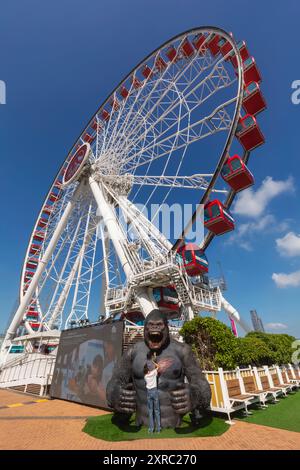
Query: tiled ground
x=56 y=424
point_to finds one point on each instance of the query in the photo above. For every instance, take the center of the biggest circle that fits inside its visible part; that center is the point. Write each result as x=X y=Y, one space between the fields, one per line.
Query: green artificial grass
x=284 y=414
x=105 y=428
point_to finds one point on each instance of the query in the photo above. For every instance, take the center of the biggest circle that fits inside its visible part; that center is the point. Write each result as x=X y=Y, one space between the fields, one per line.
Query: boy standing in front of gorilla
x=126 y=391
x=151 y=372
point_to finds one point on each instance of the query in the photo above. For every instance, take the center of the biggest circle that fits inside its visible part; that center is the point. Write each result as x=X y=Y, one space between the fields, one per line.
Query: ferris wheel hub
x=119 y=185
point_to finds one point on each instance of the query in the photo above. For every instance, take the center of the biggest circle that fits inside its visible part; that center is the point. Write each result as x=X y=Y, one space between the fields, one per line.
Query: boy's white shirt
x=151 y=379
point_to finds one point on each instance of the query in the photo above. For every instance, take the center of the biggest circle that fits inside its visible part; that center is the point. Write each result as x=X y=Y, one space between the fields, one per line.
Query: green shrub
x=212 y=341
x=279 y=345
x=216 y=346
x=254 y=352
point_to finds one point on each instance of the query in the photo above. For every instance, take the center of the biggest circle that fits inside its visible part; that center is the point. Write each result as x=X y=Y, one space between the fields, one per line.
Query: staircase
x=31 y=373
x=183 y=288
x=32 y=389
x=132 y=335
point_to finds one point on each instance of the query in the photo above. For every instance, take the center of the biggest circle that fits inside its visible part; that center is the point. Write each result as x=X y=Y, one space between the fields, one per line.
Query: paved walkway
x=57 y=424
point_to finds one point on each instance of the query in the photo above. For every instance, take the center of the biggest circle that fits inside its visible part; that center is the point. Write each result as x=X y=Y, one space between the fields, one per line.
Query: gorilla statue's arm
x=195 y=394
x=120 y=394
x=200 y=389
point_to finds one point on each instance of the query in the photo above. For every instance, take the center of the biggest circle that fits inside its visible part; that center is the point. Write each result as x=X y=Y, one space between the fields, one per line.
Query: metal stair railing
x=35 y=371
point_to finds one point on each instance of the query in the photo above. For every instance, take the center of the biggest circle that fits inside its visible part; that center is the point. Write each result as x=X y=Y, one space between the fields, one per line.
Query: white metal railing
x=13 y=358
x=208 y=298
x=202 y=298
x=35 y=368
x=133 y=327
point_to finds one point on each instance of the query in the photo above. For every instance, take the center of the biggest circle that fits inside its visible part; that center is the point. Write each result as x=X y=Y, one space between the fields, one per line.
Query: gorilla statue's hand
x=127 y=400
x=181 y=400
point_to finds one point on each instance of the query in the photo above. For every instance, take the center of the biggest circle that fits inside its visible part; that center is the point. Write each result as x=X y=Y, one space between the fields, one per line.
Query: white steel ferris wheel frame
x=108 y=183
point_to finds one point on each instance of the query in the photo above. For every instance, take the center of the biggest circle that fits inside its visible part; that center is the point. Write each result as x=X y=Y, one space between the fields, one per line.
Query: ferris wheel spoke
x=162 y=127
x=155 y=243
x=140 y=93
x=54 y=276
x=203 y=61
x=68 y=283
x=195 y=96
x=63 y=294
x=218 y=121
x=84 y=274
x=62 y=243
x=42 y=263
x=60 y=275
x=161 y=132
x=196 y=181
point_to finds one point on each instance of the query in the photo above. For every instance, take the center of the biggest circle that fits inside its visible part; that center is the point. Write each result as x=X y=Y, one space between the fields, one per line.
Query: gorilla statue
x=126 y=390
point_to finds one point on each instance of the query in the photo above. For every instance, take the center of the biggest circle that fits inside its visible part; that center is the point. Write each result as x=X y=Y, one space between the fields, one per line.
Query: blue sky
x=60 y=60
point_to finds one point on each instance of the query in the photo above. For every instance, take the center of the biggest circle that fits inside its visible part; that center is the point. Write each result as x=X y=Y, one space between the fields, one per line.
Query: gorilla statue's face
x=156 y=332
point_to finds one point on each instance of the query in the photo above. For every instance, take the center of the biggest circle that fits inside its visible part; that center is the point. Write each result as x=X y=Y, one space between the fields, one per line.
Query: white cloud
x=283 y=280
x=289 y=245
x=253 y=203
x=243 y=232
x=276 y=326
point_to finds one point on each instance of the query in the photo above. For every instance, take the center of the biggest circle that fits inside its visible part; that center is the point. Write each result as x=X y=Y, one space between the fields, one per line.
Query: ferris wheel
x=165 y=135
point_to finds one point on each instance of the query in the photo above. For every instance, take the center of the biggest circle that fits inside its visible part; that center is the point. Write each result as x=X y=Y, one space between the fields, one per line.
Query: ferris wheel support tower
x=115 y=234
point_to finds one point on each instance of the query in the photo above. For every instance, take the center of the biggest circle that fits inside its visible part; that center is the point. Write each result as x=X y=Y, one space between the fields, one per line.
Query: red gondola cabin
x=225 y=47
x=34 y=249
x=198 y=42
x=253 y=100
x=243 y=51
x=187 y=48
x=95 y=125
x=251 y=72
x=236 y=174
x=160 y=63
x=34 y=326
x=217 y=219
x=146 y=71
x=39 y=236
x=249 y=133
x=134 y=316
x=54 y=197
x=124 y=92
x=105 y=115
x=194 y=259
x=171 y=53
x=166 y=298
x=48 y=210
x=213 y=45
x=88 y=138
x=32 y=315
x=42 y=222
x=136 y=83
x=32 y=263
x=114 y=103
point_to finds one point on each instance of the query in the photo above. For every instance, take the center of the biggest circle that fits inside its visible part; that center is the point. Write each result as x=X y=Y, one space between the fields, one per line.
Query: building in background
x=256 y=321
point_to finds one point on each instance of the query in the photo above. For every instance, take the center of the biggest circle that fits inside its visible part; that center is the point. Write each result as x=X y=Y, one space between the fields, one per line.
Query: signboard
x=74 y=168
x=85 y=361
